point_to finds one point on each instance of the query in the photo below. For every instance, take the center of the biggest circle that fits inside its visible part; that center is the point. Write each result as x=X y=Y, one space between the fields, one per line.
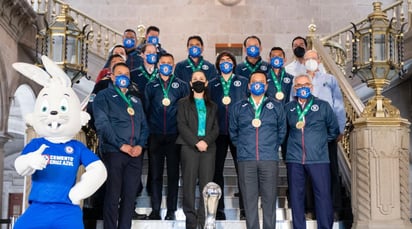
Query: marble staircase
x=283 y=213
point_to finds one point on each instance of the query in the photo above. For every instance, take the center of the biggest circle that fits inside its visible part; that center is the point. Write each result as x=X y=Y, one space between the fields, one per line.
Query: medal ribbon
x=301 y=113
x=127 y=100
x=166 y=91
x=250 y=67
x=258 y=109
x=278 y=85
x=146 y=74
x=192 y=65
x=226 y=85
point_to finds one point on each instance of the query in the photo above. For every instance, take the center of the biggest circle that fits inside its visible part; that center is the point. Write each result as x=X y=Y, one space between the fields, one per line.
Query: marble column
x=380 y=173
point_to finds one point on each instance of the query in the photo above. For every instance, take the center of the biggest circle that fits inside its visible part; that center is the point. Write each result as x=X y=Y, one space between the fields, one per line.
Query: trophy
x=211 y=195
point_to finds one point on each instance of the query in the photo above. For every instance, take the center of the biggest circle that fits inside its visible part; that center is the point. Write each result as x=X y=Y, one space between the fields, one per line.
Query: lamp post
x=66 y=44
x=380 y=140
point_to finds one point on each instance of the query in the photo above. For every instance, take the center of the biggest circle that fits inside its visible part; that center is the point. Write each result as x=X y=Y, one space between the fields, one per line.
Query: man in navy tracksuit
x=253 y=61
x=195 y=61
x=226 y=89
x=311 y=123
x=122 y=130
x=257 y=128
x=161 y=96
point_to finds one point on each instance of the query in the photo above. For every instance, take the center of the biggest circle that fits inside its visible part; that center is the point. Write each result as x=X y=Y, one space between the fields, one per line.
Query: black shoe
x=220 y=215
x=242 y=215
x=236 y=194
x=155 y=215
x=137 y=216
x=170 y=215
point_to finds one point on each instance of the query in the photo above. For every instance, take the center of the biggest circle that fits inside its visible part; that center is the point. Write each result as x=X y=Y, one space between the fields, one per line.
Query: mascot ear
x=56 y=72
x=84 y=118
x=33 y=72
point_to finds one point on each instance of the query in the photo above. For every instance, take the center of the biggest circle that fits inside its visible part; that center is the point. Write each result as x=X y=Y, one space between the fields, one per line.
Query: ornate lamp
x=377 y=58
x=65 y=44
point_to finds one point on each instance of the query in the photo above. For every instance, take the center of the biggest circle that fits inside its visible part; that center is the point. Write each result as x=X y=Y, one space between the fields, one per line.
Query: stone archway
x=22 y=102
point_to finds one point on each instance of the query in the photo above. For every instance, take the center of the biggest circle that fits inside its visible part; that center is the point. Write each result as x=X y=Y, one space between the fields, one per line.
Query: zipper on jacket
x=257 y=144
x=164 y=119
x=132 y=135
x=303 y=147
x=226 y=119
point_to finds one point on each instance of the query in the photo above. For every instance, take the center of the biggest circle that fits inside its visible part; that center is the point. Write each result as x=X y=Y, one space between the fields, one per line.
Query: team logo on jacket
x=237 y=83
x=314 y=107
x=263 y=68
x=133 y=99
x=286 y=80
x=269 y=105
x=69 y=149
x=175 y=85
x=205 y=67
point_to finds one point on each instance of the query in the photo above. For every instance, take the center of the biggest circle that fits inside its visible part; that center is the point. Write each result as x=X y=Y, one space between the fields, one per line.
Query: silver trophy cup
x=211 y=196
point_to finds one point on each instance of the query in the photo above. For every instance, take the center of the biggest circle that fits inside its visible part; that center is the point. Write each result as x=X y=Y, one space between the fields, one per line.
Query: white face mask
x=311 y=65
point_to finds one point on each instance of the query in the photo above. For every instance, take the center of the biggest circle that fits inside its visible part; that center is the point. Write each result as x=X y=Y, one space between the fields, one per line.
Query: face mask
x=151 y=58
x=165 y=69
x=153 y=40
x=311 y=65
x=299 y=52
x=276 y=62
x=252 y=51
x=198 y=86
x=226 y=67
x=195 y=51
x=128 y=43
x=257 y=88
x=122 y=81
x=303 y=92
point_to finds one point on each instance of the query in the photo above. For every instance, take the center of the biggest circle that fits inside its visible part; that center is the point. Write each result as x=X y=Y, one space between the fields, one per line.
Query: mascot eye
x=64 y=106
x=44 y=106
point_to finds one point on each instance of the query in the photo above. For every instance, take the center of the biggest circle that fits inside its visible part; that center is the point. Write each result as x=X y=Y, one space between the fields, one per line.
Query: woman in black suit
x=198 y=130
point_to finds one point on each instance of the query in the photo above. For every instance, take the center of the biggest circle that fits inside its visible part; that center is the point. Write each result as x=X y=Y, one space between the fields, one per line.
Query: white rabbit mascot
x=53 y=159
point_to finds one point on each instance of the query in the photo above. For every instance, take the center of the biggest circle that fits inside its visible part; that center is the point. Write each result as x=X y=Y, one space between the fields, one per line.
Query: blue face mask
x=153 y=40
x=252 y=51
x=151 y=58
x=195 y=51
x=257 y=88
x=122 y=81
x=303 y=92
x=226 y=67
x=128 y=43
x=276 y=62
x=165 y=69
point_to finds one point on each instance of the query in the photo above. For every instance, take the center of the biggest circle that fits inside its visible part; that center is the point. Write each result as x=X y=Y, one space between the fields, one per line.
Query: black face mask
x=198 y=86
x=299 y=52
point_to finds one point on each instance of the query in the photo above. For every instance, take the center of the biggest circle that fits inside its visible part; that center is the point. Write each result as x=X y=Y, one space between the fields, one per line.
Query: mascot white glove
x=27 y=164
x=90 y=181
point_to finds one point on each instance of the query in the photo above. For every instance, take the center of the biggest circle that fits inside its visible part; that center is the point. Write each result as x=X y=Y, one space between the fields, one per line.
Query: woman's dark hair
x=222 y=54
x=206 y=95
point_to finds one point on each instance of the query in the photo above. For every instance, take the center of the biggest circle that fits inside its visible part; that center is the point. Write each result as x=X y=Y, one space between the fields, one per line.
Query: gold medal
x=130 y=110
x=279 y=95
x=256 y=122
x=166 y=102
x=226 y=100
x=300 y=124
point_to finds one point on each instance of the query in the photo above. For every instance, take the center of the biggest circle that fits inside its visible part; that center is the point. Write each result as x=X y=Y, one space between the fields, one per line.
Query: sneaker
x=155 y=215
x=170 y=215
x=137 y=216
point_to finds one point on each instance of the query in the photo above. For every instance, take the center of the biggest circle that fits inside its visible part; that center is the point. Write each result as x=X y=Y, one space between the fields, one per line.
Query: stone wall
x=276 y=22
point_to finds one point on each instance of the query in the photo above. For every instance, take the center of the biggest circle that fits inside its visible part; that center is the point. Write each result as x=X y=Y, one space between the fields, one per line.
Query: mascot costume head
x=53 y=159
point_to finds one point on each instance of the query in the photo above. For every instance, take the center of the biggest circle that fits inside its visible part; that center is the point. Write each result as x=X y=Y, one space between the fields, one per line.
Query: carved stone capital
x=16 y=15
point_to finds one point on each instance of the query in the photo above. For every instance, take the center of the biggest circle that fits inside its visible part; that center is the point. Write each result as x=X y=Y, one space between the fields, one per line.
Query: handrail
x=100 y=43
x=350 y=27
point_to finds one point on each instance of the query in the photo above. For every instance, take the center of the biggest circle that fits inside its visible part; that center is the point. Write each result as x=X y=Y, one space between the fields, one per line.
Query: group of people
x=187 y=115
